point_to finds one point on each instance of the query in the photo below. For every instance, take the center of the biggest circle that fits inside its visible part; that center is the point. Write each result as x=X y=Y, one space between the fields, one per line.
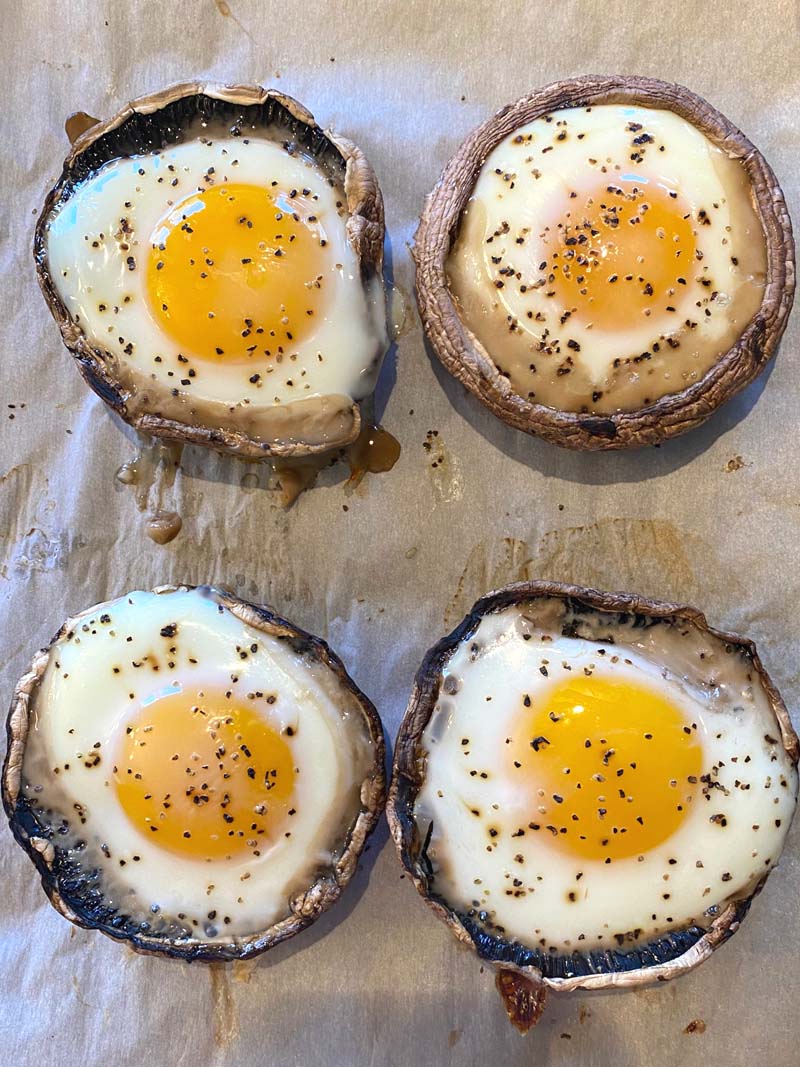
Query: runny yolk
x=625 y=250
x=237 y=273
x=612 y=768
x=204 y=776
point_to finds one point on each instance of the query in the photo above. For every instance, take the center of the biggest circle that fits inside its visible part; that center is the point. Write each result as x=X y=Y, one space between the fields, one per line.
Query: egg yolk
x=204 y=777
x=236 y=273
x=614 y=767
x=625 y=250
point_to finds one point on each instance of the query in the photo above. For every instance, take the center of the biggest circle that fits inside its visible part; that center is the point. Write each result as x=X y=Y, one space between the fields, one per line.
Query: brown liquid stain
x=294 y=479
x=696 y=1026
x=243 y=970
x=375 y=451
x=735 y=463
x=128 y=473
x=453 y=1038
x=163 y=526
x=226 y=1014
x=155 y=467
x=77 y=124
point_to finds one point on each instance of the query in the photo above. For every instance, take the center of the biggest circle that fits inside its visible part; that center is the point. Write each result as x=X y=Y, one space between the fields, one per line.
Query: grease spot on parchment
x=20 y=467
x=243 y=970
x=78 y=995
x=649 y=556
x=226 y=11
x=40 y=551
x=226 y=1014
x=488 y=566
x=659 y=994
x=444 y=468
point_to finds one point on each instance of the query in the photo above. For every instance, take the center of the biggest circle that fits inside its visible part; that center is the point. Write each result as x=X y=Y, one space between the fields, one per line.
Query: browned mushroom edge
x=305 y=907
x=465 y=357
x=158 y=119
x=526 y=975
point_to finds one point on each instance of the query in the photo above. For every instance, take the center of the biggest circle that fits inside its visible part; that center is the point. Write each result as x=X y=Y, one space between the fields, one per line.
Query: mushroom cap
x=305 y=907
x=463 y=355
x=148 y=122
x=524 y=987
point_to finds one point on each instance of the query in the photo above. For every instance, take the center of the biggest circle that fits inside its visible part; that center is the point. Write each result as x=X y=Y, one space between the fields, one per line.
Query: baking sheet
x=711 y=518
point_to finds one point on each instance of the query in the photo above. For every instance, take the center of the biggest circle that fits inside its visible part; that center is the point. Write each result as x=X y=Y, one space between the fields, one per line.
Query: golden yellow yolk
x=204 y=776
x=236 y=273
x=613 y=767
x=624 y=251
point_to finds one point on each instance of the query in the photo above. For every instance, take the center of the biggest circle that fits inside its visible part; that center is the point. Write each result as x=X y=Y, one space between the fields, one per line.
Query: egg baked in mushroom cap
x=605 y=261
x=214 y=262
x=589 y=788
x=192 y=774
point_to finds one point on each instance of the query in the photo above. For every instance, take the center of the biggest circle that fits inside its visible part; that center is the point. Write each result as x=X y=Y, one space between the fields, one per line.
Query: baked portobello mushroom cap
x=157 y=121
x=77 y=891
x=466 y=358
x=525 y=975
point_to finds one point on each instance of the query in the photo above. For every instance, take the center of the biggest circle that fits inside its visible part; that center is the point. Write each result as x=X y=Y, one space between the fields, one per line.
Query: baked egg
x=191 y=773
x=214 y=261
x=590 y=788
x=605 y=261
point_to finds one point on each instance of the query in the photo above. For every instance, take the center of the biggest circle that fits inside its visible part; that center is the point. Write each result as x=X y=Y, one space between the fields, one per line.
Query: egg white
x=522 y=188
x=350 y=335
x=624 y=900
x=81 y=711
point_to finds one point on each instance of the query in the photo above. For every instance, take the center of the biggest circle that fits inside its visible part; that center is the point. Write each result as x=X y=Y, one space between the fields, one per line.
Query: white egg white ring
x=509 y=232
x=339 y=359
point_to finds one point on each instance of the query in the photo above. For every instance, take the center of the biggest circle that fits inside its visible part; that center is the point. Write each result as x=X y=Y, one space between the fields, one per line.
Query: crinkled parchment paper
x=712 y=518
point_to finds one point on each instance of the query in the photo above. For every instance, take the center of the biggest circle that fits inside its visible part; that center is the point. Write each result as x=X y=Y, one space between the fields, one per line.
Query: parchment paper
x=712 y=518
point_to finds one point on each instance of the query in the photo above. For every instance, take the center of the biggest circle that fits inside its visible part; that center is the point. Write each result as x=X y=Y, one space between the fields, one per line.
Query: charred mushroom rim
x=525 y=976
x=154 y=122
x=469 y=362
x=75 y=892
